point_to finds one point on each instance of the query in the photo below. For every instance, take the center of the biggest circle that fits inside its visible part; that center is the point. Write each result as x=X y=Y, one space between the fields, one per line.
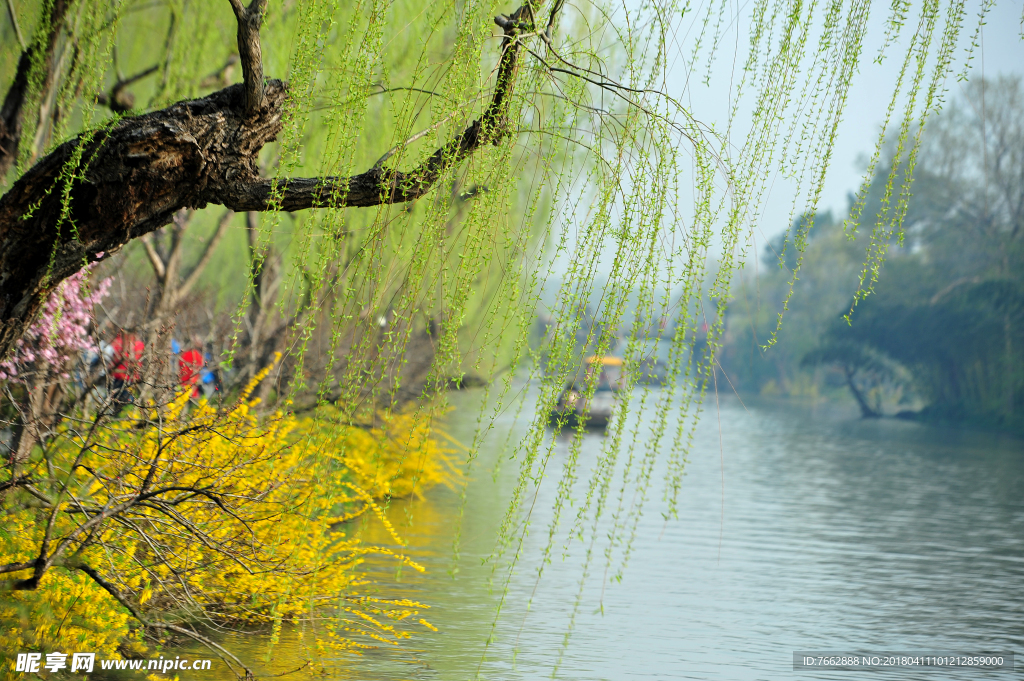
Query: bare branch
x=119 y=99
x=17 y=567
x=204 y=259
x=422 y=133
x=222 y=76
x=154 y=258
x=14 y=22
x=17 y=481
x=944 y=291
x=120 y=598
x=250 y=52
x=555 y=10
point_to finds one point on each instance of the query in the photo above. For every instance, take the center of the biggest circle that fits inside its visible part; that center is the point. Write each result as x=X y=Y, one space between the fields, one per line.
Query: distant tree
x=854 y=361
x=953 y=341
x=821 y=293
x=950 y=306
x=782 y=250
x=61 y=332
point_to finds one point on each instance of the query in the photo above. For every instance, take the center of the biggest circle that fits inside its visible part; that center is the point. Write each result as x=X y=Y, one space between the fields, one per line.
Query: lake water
x=800 y=529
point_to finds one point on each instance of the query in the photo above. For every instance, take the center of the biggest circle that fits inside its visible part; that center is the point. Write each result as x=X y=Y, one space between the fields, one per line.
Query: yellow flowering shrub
x=68 y=613
x=191 y=516
x=400 y=457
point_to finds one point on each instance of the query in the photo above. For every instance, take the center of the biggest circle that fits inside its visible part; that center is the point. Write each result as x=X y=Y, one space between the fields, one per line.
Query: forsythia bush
x=212 y=517
x=399 y=458
x=67 y=613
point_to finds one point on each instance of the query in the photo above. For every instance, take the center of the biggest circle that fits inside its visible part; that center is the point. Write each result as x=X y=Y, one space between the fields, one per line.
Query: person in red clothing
x=126 y=367
x=190 y=369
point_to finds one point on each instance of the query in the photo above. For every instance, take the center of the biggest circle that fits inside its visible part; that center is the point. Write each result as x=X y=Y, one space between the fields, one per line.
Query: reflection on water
x=799 y=529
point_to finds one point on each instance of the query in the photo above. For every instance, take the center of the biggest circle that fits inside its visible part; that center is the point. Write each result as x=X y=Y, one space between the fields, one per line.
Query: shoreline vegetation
x=192 y=413
x=941 y=337
x=191 y=519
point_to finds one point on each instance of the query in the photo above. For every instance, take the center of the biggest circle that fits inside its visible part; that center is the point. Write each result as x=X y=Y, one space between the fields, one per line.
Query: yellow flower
x=251 y=530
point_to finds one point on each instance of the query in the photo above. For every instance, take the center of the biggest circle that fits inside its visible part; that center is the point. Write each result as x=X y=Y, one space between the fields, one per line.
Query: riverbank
x=966 y=420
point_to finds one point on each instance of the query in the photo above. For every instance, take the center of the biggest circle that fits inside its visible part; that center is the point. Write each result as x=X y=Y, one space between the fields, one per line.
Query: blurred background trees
x=943 y=333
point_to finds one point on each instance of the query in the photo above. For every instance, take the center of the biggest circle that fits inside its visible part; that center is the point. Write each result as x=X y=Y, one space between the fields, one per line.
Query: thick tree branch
x=133 y=177
x=130 y=180
x=17 y=567
x=378 y=185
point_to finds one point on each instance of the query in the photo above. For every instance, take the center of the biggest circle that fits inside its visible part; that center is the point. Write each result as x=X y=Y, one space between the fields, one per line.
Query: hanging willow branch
x=37 y=60
x=95 y=193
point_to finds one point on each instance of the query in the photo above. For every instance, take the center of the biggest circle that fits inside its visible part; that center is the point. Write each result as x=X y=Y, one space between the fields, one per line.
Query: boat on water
x=573 y=406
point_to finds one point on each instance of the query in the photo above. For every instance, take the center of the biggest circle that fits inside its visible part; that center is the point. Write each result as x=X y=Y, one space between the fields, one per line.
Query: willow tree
x=429 y=190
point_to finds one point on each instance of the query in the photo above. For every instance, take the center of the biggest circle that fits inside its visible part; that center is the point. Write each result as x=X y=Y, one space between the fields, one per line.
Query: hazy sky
x=1001 y=52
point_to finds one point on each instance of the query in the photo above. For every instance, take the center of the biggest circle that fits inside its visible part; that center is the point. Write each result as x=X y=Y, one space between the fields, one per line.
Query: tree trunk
x=30 y=429
x=865 y=409
x=136 y=176
x=1009 y=375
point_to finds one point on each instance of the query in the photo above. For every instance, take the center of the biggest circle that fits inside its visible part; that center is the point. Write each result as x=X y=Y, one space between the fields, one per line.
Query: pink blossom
x=62 y=330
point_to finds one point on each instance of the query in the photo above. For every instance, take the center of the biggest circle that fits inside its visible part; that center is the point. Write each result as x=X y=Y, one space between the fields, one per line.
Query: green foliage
x=948 y=316
x=822 y=294
x=616 y=177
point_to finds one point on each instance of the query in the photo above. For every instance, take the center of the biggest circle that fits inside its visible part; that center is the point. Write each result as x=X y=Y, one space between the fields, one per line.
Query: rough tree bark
x=95 y=193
